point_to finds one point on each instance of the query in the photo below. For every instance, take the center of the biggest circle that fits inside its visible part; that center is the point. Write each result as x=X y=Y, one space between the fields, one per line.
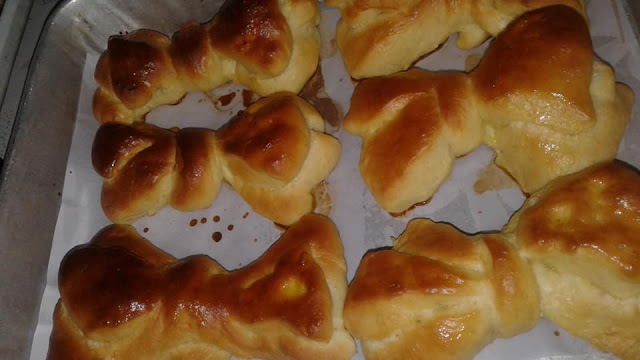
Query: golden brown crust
x=593 y=214
x=439 y=294
x=268 y=46
x=272 y=139
x=272 y=154
x=580 y=233
x=287 y=304
x=382 y=37
x=146 y=168
x=538 y=98
x=255 y=33
x=543 y=60
x=413 y=125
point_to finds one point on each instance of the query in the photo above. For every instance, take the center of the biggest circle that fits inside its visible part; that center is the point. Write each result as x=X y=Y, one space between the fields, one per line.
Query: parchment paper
x=476 y=197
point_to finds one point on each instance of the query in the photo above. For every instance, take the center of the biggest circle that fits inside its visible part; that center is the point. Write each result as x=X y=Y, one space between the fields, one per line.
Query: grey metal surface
x=43 y=102
x=33 y=174
x=13 y=18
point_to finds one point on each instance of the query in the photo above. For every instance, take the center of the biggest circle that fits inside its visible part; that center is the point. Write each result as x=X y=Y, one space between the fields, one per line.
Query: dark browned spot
x=245 y=215
x=403 y=213
x=193 y=222
x=216 y=236
x=145 y=230
x=230 y=227
x=314 y=92
x=225 y=100
x=247 y=97
x=203 y=220
x=216 y=218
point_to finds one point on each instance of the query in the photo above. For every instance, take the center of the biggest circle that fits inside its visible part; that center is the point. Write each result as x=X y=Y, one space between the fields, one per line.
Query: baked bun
x=146 y=168
x=413 y=125
x=539 y=98
x=439 y=294
x=266 y=45
x=272 y=154
x=581 y=234
x=123 y=298
x=381 y=37
x=549 y=107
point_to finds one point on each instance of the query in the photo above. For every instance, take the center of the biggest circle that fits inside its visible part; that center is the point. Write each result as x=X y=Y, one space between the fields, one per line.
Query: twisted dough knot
x=381 y=37
x=581 y=233
x=439 y=294
x=266 y=45
x=538 y=98
x=123 y=298
x=571 y=255
x=272 y=154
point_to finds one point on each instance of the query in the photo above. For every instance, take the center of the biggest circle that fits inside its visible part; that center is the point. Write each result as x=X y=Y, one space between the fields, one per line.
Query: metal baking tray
x=43 y=95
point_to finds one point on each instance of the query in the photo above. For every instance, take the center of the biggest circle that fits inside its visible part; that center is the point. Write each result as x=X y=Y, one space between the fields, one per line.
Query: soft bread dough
x=538 y=98
x=272 y=154
x=581 y=233
x=440 y=294
x=266 y=45
x=123 y=298
x=381 y=37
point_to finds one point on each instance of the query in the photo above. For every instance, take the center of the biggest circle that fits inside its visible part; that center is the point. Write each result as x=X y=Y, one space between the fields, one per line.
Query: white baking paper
x=462 y=200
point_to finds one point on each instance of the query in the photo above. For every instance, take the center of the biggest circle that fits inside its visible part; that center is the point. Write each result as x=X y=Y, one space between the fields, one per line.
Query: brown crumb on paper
x=410 y=209
x=247 y=97
x=314 y=92
x=193 y=222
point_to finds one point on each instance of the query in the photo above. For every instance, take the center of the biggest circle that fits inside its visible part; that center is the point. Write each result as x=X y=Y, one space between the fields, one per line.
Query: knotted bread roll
x=413 y=125
x=266 y=45
x=146 y=168
x=439 y=294
x=381 y=37
x=272 y=154
x=549 y=106
x=571 y=254
x=123 y=298
x=581 y=234
x=539 y=98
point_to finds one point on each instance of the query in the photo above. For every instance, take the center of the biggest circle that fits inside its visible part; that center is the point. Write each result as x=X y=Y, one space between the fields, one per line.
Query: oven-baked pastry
x=272 y=154
x=413 y=125
x=549 y=107
x=381 y=37
x=146 y=168
x=123 y=298
x=581 y=234
x=266 y=45
x=571 y=254
x=439 y=294
x=539 y=98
